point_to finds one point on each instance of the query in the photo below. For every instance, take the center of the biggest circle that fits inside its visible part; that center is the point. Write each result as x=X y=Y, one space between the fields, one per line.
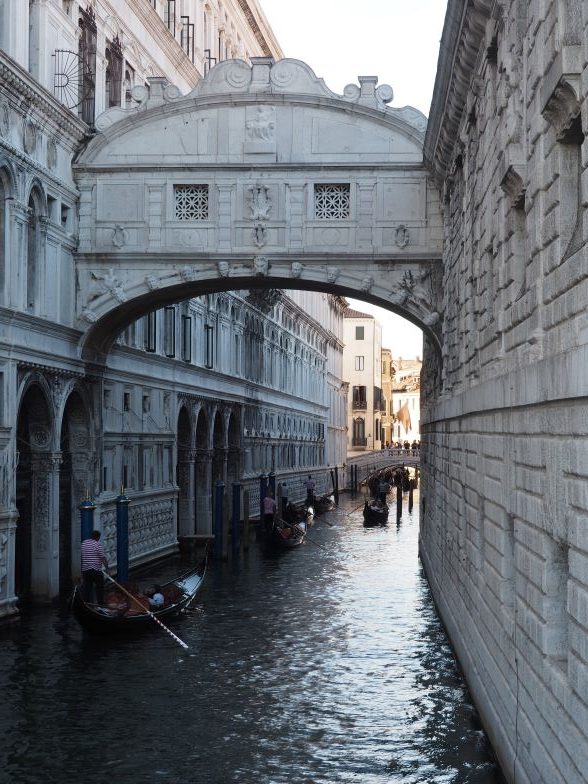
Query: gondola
x=285 y=536
x=324 y=504
x=375 y=512
x=179 y=594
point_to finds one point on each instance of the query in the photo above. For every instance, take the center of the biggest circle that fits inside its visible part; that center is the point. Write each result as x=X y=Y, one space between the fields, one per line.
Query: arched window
x=113 y=79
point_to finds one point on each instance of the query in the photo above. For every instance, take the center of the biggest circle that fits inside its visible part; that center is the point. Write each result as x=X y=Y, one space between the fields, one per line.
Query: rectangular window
x=126 y=401
x=87 y=50
x=332 y=201
x=209 y=346
x=187 y=338
x=191 y=202
x=359 y=333
x=170 y=331
x=150 y=326
x=359 y=363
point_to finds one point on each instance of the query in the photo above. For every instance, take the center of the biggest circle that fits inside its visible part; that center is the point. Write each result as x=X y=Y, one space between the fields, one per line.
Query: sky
x=395 y=40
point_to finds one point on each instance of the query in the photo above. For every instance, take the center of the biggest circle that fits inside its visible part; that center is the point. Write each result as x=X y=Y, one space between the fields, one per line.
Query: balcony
x=359 y=441
x=359 y=405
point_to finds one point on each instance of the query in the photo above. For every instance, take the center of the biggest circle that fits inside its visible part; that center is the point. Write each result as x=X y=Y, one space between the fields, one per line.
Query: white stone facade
x=220 y=387
x=362 y=370
x=504 y=539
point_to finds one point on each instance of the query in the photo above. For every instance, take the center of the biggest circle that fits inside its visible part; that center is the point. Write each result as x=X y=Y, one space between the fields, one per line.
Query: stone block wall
x=504 y=538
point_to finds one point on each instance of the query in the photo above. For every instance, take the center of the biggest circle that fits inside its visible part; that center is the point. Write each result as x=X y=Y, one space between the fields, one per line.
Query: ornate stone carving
x=260 y=202
x=562 y=107
x=188 y=274
x=261 y=265
x=332 y=274
x=29 y=136
x=120 y=236
x=262 y=126
x=259 y=235
x=51 y=153
x=4 y=119
x=39 y=436
x=110 y=284
x=152 y=282
x=513 y=184
x=89 y=316
x=296 y=269
x=366 y=284
x=402 y=236
x=223 y=269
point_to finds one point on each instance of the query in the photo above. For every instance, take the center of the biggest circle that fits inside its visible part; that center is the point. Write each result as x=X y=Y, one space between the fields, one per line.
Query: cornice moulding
x=464 y=34
x=14 y=78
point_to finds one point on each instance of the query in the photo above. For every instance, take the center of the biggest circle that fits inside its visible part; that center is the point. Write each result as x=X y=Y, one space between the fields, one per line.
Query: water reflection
x=326 y=664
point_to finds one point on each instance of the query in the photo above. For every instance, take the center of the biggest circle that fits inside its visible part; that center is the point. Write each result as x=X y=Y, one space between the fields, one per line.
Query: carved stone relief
x=4 y=119
x=29 y=136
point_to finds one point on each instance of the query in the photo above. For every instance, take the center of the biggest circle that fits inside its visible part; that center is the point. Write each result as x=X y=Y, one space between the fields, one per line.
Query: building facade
x=406 y=400
x=362 y=370
x=504 y=540
x=217 y=387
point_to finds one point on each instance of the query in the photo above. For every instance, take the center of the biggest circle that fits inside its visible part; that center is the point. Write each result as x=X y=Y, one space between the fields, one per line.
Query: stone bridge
x=262 y=178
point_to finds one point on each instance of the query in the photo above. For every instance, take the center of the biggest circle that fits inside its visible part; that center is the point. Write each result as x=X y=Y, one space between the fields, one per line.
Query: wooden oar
x=148 y=612
x=305 y=534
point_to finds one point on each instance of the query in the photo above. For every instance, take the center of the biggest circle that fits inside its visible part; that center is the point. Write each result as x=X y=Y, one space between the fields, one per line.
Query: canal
x=323 y=665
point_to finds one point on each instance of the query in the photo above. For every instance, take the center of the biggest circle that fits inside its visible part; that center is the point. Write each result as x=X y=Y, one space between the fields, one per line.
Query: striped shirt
x=92 y=555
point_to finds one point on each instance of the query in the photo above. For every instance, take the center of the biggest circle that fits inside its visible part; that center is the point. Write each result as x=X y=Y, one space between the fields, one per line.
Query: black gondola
x=324 y=504
x=98 y=619
x=375 y=512
x=285 y=536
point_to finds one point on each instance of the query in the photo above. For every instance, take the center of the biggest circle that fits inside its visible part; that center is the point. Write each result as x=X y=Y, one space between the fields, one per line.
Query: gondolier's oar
x=148 y=612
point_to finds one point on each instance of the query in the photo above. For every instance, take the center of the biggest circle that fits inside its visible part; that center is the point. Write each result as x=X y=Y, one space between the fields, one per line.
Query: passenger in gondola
x=290 y=515
x=157 y=600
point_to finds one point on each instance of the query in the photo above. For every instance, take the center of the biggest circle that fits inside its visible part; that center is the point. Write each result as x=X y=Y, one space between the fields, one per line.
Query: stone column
x=8 y=599
x=82 y=486
x=45 y=525
x=203 y=466
x=187 y=490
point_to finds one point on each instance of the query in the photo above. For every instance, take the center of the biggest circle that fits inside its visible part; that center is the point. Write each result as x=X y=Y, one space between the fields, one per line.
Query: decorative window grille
x=191 y=202
x=332 y=201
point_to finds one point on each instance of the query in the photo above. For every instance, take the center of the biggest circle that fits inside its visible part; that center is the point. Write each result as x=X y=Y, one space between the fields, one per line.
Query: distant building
x=387 y=381
x=362 y=368
x=406 y=399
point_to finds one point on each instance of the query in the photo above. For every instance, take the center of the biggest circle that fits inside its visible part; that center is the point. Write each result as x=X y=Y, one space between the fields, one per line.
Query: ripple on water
x=325 y=665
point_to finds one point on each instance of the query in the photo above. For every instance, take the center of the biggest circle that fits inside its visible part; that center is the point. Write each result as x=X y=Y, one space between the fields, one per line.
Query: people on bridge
x=93 y=558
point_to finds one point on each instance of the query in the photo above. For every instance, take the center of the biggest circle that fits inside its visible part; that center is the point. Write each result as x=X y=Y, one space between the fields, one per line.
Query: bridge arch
x=261 y=178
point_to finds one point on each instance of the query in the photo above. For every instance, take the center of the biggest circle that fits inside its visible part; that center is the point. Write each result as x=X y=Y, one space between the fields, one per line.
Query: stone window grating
x=191 y=202
x=332 y=201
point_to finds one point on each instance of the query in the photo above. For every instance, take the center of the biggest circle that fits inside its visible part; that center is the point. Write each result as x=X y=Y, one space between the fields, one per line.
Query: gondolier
x=93 y=558
x=310 y=484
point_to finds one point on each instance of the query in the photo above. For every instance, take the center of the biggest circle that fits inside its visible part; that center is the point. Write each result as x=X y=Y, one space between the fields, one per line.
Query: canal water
x=323 y=665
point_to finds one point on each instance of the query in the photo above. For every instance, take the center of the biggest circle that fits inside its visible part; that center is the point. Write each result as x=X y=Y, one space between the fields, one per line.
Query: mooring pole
x=336 y=487
x=410 y=496
x=219 y=494
x=122 y=537
x=398 y=502
x=246 y=520
x=87 y=518
x=236 y=519
x=262 y=492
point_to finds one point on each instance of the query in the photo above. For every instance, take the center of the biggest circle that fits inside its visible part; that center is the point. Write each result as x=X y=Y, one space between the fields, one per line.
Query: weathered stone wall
x=505 y=526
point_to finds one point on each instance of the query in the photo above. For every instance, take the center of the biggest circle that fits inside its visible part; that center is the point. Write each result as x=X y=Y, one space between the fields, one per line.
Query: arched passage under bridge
x=261 y=177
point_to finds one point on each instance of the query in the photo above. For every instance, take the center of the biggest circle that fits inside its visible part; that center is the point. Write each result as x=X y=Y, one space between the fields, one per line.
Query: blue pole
x=262 y=492
x=122 y=537
x=218 y=518
x=87 y=518
x=236 y=519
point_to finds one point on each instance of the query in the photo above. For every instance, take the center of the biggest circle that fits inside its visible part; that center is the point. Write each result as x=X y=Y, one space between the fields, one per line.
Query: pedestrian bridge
x=260 y=178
